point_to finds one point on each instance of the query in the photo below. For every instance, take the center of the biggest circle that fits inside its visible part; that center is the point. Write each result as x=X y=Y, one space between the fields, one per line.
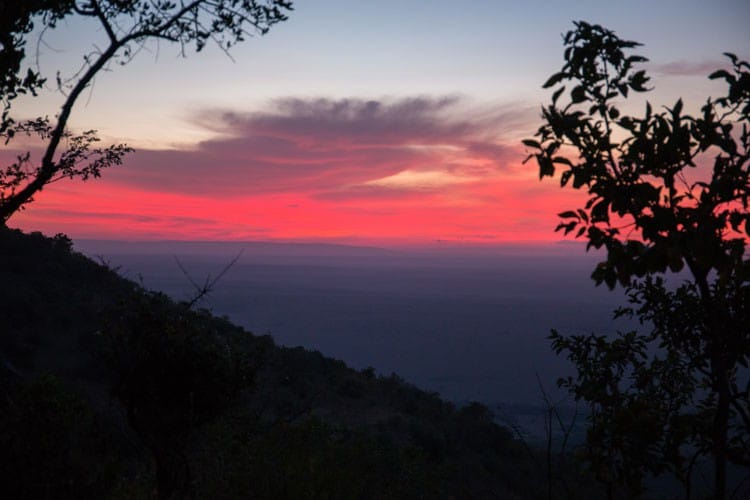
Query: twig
x=208 y=285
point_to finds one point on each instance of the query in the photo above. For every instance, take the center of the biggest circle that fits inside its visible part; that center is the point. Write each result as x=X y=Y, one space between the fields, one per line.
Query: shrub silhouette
x=664 y=397
x=52 y=445
x=173 y=372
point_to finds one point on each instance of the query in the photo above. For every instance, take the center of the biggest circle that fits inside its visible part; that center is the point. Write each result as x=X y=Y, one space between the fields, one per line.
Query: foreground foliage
x=666 y=192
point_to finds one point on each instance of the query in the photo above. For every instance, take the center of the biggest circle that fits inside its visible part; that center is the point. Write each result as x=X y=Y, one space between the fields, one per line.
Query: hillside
x=109 y=390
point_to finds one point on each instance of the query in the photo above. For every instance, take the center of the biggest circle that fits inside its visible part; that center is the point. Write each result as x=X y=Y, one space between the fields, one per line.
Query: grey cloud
x=314 y=146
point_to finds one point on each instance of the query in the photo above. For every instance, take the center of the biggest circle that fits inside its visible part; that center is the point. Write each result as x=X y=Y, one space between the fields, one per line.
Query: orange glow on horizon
x=514 y=210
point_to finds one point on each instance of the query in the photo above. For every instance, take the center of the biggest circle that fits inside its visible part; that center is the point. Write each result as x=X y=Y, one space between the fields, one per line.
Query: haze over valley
x=468 y=323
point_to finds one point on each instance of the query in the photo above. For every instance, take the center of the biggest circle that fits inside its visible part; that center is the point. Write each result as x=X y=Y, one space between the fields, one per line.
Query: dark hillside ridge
x=136 y=392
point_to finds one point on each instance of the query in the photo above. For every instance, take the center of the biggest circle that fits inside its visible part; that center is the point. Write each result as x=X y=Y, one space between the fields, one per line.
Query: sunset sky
x=379 y=122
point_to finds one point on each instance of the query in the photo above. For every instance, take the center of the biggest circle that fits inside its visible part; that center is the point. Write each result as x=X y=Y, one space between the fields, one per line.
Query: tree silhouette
x=173 y=371
x=666 y=191
x=129 y=25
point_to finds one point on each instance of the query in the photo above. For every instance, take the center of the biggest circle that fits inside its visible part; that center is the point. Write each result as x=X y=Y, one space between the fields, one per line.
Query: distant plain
x=468 y=323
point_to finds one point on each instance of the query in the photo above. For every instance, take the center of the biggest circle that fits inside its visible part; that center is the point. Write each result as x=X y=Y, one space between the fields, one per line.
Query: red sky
x=401 y=171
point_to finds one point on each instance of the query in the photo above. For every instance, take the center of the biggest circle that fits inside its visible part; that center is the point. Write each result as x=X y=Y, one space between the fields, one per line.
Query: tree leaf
x=578 y=94
x=554 y=79
x=568 y=214
x=721 y=73
x=557 y=93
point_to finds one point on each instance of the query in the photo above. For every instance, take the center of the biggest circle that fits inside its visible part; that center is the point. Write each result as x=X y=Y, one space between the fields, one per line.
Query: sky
x=358 y=122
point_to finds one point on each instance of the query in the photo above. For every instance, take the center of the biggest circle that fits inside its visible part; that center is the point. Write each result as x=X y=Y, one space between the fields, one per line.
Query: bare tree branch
x=202 y=291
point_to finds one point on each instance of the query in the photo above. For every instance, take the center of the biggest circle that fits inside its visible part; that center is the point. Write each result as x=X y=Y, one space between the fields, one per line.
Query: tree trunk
x=172 y=475
x=720 y=430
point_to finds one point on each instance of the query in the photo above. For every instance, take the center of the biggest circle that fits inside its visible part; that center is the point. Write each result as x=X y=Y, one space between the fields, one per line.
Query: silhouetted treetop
x=129 y=25
x=666 y=191
x=642 y=206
